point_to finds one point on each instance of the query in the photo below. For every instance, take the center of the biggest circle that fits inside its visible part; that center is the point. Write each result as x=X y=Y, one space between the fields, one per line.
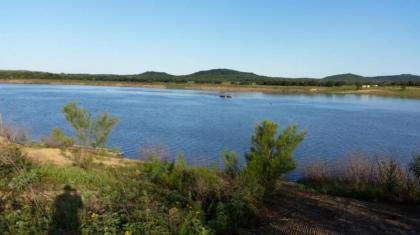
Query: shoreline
x=388 y=91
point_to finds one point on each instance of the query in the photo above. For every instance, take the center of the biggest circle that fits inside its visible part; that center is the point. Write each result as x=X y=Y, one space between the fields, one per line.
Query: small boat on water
x=225 y=96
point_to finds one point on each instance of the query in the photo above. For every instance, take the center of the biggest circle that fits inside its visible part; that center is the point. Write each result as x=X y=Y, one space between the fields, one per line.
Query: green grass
x=146 y=198
x=150 y=197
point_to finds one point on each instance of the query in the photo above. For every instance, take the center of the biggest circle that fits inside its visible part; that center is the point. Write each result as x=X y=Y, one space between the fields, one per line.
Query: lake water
x=201 y=125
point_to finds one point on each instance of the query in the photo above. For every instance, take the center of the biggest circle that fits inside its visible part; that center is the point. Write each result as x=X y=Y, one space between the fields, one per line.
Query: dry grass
x=60 y=157
x=53 y=156
x=11 y=133
x=356 y=168
x=363 y=176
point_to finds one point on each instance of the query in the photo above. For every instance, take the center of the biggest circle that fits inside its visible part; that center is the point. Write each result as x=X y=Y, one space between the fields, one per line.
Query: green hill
x=216 y=76
x=345 y=77
x=386 y=78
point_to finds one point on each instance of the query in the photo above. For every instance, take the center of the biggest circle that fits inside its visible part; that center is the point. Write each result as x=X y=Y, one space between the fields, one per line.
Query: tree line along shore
x=404 y=85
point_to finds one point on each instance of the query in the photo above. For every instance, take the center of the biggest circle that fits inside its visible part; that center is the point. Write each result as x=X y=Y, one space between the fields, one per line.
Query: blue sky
x=271 y=37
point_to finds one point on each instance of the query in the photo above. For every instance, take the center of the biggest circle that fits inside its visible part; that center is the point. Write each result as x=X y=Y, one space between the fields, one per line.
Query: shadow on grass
x=66 y=213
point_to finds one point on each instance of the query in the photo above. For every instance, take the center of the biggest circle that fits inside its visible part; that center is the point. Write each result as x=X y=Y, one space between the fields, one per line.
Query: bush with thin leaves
x=89 y=132
x=16 y=174
x=57 y=138
x=231 y=164
x=271 y=156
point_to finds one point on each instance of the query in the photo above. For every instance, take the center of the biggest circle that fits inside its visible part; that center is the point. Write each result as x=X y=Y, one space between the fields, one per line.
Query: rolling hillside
x=212 y=76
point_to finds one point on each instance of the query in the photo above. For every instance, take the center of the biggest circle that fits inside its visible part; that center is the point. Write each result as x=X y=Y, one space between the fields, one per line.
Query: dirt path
x=293 y=211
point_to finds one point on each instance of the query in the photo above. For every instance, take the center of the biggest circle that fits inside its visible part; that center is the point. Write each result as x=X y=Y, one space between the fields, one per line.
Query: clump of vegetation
x=18 y=180
x=57 y=138
x=217 y=201
x=12 y=163
x=149 y=197
x=271 y=156
x=380 y=178
x=154 y=197
x=13 y=134
x=415 y=167
x=231 y=164
x=89 y=132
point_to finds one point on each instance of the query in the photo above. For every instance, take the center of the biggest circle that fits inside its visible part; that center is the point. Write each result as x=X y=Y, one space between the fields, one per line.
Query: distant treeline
x=219 y=76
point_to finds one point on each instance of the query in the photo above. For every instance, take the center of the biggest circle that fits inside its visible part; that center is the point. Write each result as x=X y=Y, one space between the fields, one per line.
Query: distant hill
x=387 y=78
x=216 y=76
x=220 y=72
x=395 y=78
x=344 y=77
x=154 y=75
x=223 y=75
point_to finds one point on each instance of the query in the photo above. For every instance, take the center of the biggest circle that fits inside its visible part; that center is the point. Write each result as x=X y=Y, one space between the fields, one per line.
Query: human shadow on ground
x=66 y=213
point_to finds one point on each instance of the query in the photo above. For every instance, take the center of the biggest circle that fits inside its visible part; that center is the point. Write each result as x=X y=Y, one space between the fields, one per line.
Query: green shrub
x=415 y=167
x=18 y=177
x=231 y=164
x=193 y=225
x=12 y=160
x=199 y=183
x=224 y=205
x=57 y=138
x=89 y=132
x=27 y=219
x=16 y=172
x=271 y=156
x=83 y=159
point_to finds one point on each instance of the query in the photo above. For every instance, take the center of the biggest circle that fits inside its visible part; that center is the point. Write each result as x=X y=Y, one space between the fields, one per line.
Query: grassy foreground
x=83 y=189
x=386 y=91
x=51 y=191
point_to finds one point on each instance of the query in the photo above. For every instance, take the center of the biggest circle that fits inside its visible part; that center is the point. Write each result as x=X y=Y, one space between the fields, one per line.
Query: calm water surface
x=201 y=125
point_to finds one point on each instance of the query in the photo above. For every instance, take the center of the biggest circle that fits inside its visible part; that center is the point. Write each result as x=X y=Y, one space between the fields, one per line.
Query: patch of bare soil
x=62 y=157
x=292 y=211
x=53 y=156
x=3 y=141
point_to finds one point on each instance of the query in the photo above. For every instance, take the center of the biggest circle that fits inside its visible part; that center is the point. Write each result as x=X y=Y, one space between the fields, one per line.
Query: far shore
x=386 y=91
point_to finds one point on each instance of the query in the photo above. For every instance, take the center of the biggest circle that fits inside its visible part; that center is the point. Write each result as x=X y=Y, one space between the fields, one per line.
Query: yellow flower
x=94 y=216
x=128 y=233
